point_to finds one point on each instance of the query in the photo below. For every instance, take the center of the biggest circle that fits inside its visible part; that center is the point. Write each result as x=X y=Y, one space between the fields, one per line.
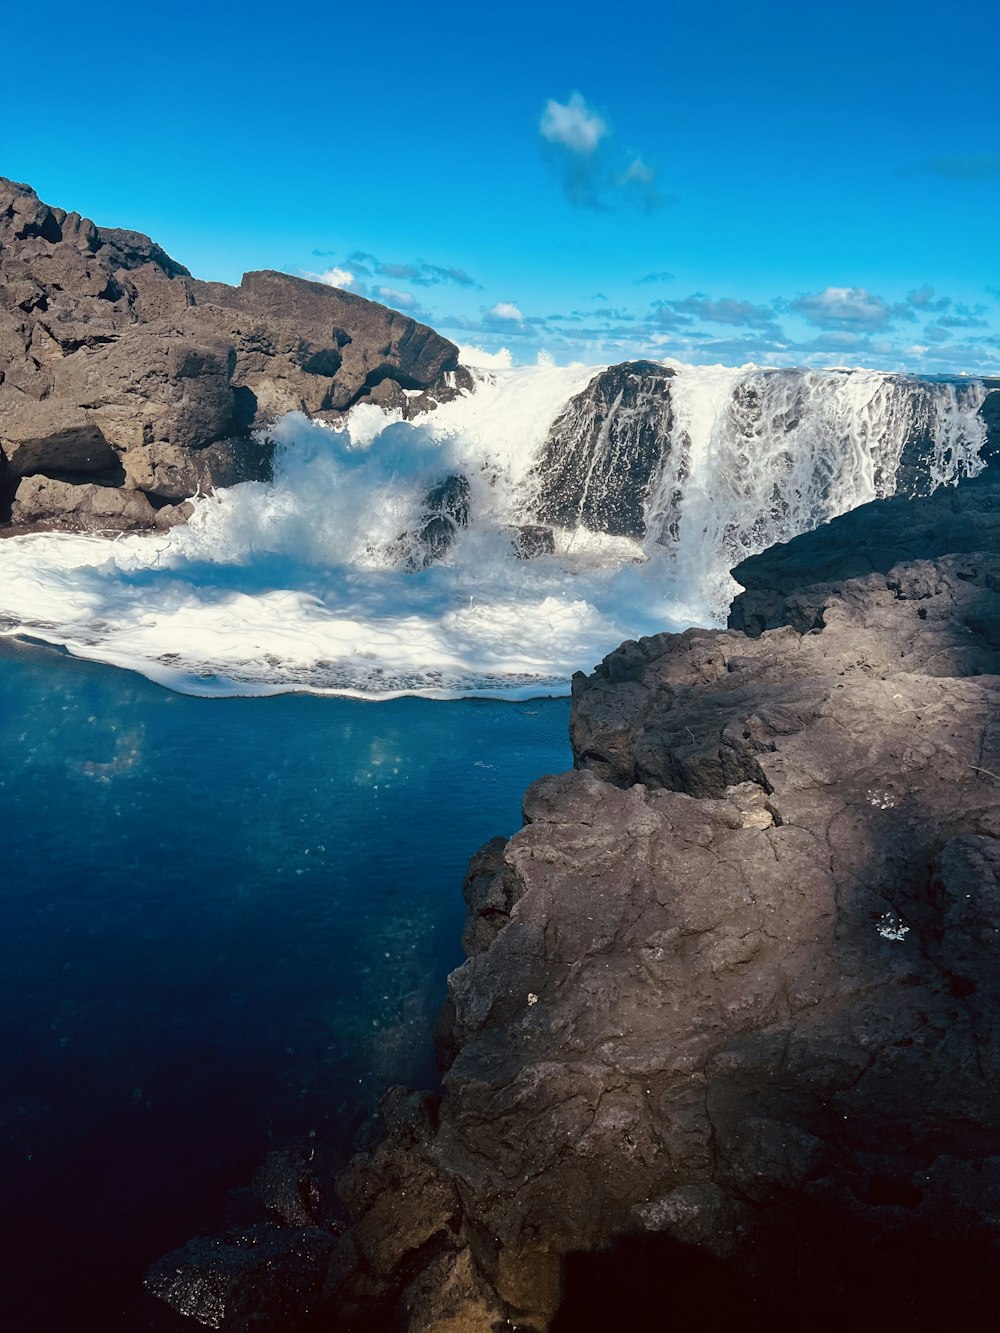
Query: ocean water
x=227 y=925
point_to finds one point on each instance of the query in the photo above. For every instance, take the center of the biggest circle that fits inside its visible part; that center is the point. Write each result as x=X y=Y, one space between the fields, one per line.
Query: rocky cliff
x=726 y=1044
x=127 y=386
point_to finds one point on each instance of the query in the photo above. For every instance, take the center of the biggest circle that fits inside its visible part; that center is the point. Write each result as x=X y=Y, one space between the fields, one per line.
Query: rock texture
x=446 y=510
x=118 y=369
x=604 y=451
x=727 y=1037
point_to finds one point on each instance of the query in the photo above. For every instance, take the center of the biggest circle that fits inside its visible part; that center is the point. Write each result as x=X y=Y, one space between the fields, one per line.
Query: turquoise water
x=226 y=925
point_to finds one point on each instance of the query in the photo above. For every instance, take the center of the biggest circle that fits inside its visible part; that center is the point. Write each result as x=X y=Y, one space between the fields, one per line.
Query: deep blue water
x=226 y=924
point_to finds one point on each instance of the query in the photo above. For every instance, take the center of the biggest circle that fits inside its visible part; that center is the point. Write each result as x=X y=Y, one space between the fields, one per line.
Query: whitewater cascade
x=498 y=543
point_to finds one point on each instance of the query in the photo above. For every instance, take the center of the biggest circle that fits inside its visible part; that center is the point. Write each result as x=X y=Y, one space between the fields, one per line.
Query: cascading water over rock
x=604 y=452
x=498 y=543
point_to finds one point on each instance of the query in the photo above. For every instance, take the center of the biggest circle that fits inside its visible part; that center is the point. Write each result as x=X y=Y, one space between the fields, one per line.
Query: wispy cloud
x=957 y=167
x=965 y=317
x=576 y=142
x=728 y=310
x=395 y=297
x=661 y=276
x=361 y=264
x=505 y=310
x=849 y=308
x=923 y=299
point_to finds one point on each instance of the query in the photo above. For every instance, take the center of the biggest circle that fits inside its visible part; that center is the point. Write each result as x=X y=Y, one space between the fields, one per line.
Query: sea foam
x=299 y=585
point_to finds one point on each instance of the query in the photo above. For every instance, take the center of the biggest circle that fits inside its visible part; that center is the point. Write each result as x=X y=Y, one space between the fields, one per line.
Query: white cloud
x=638 y=172
x=336 y=277
x=505 y=310
x=394 y=297
x=848 y=308
x=572 y=124
x=577 y=146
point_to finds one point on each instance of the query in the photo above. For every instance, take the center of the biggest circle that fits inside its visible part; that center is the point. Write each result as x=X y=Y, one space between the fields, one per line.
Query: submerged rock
x=447 y=509
x=261 y=1277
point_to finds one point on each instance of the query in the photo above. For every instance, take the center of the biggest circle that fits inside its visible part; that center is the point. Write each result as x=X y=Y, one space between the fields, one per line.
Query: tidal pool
x=227 y=925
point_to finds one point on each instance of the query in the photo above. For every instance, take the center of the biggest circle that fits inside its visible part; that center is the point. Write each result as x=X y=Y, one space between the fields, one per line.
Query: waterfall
x=773 y=453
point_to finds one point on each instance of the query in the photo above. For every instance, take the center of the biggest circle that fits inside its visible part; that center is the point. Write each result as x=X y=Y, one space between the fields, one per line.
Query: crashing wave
x=498 y=543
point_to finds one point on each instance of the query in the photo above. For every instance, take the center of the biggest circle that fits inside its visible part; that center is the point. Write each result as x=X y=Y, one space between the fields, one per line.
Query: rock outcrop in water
x=778 y=452
x=605 y=450
x=726 y=1042
x=119 y=370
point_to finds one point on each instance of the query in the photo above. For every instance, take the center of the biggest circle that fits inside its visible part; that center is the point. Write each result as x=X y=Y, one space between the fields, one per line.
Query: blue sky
x=712 y=181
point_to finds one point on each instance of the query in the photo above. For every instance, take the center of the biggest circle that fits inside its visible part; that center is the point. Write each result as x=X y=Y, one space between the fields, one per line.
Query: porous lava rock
x=118 y=368
x=727 y=1035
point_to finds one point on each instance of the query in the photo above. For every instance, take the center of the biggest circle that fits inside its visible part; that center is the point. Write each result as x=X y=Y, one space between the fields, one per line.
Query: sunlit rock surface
x=119 y=368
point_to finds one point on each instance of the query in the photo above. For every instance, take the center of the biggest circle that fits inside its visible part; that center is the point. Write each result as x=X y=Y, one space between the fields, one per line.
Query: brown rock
x=43 y=502
x=51 y=436
x=731 y=997
x=108 y=344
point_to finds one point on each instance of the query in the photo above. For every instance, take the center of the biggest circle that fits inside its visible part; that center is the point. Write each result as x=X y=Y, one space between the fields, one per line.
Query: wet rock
x=263 y=1278
x=169 y=472
x=489 y=890
x=731 y=991
x=170 y=515
x=531 y=540
x=447 y=508
x=602 y=454
x=289 y=1188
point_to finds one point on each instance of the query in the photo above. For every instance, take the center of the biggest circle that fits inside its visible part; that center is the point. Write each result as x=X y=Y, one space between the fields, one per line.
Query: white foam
x=299 y=584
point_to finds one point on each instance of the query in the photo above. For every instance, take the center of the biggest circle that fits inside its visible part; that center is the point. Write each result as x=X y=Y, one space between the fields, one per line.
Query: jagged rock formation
x=446 y=510
x=779 y=451
x=604 y=451
x=120 y=370
x=734 y=985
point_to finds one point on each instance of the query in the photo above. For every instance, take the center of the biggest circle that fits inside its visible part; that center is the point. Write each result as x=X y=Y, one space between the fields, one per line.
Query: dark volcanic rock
x=732 y=991
x=531 y=540
x=603 y=452
x=257 y=1278
x=446 y=511
x=114 y=359
x=785 y=584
